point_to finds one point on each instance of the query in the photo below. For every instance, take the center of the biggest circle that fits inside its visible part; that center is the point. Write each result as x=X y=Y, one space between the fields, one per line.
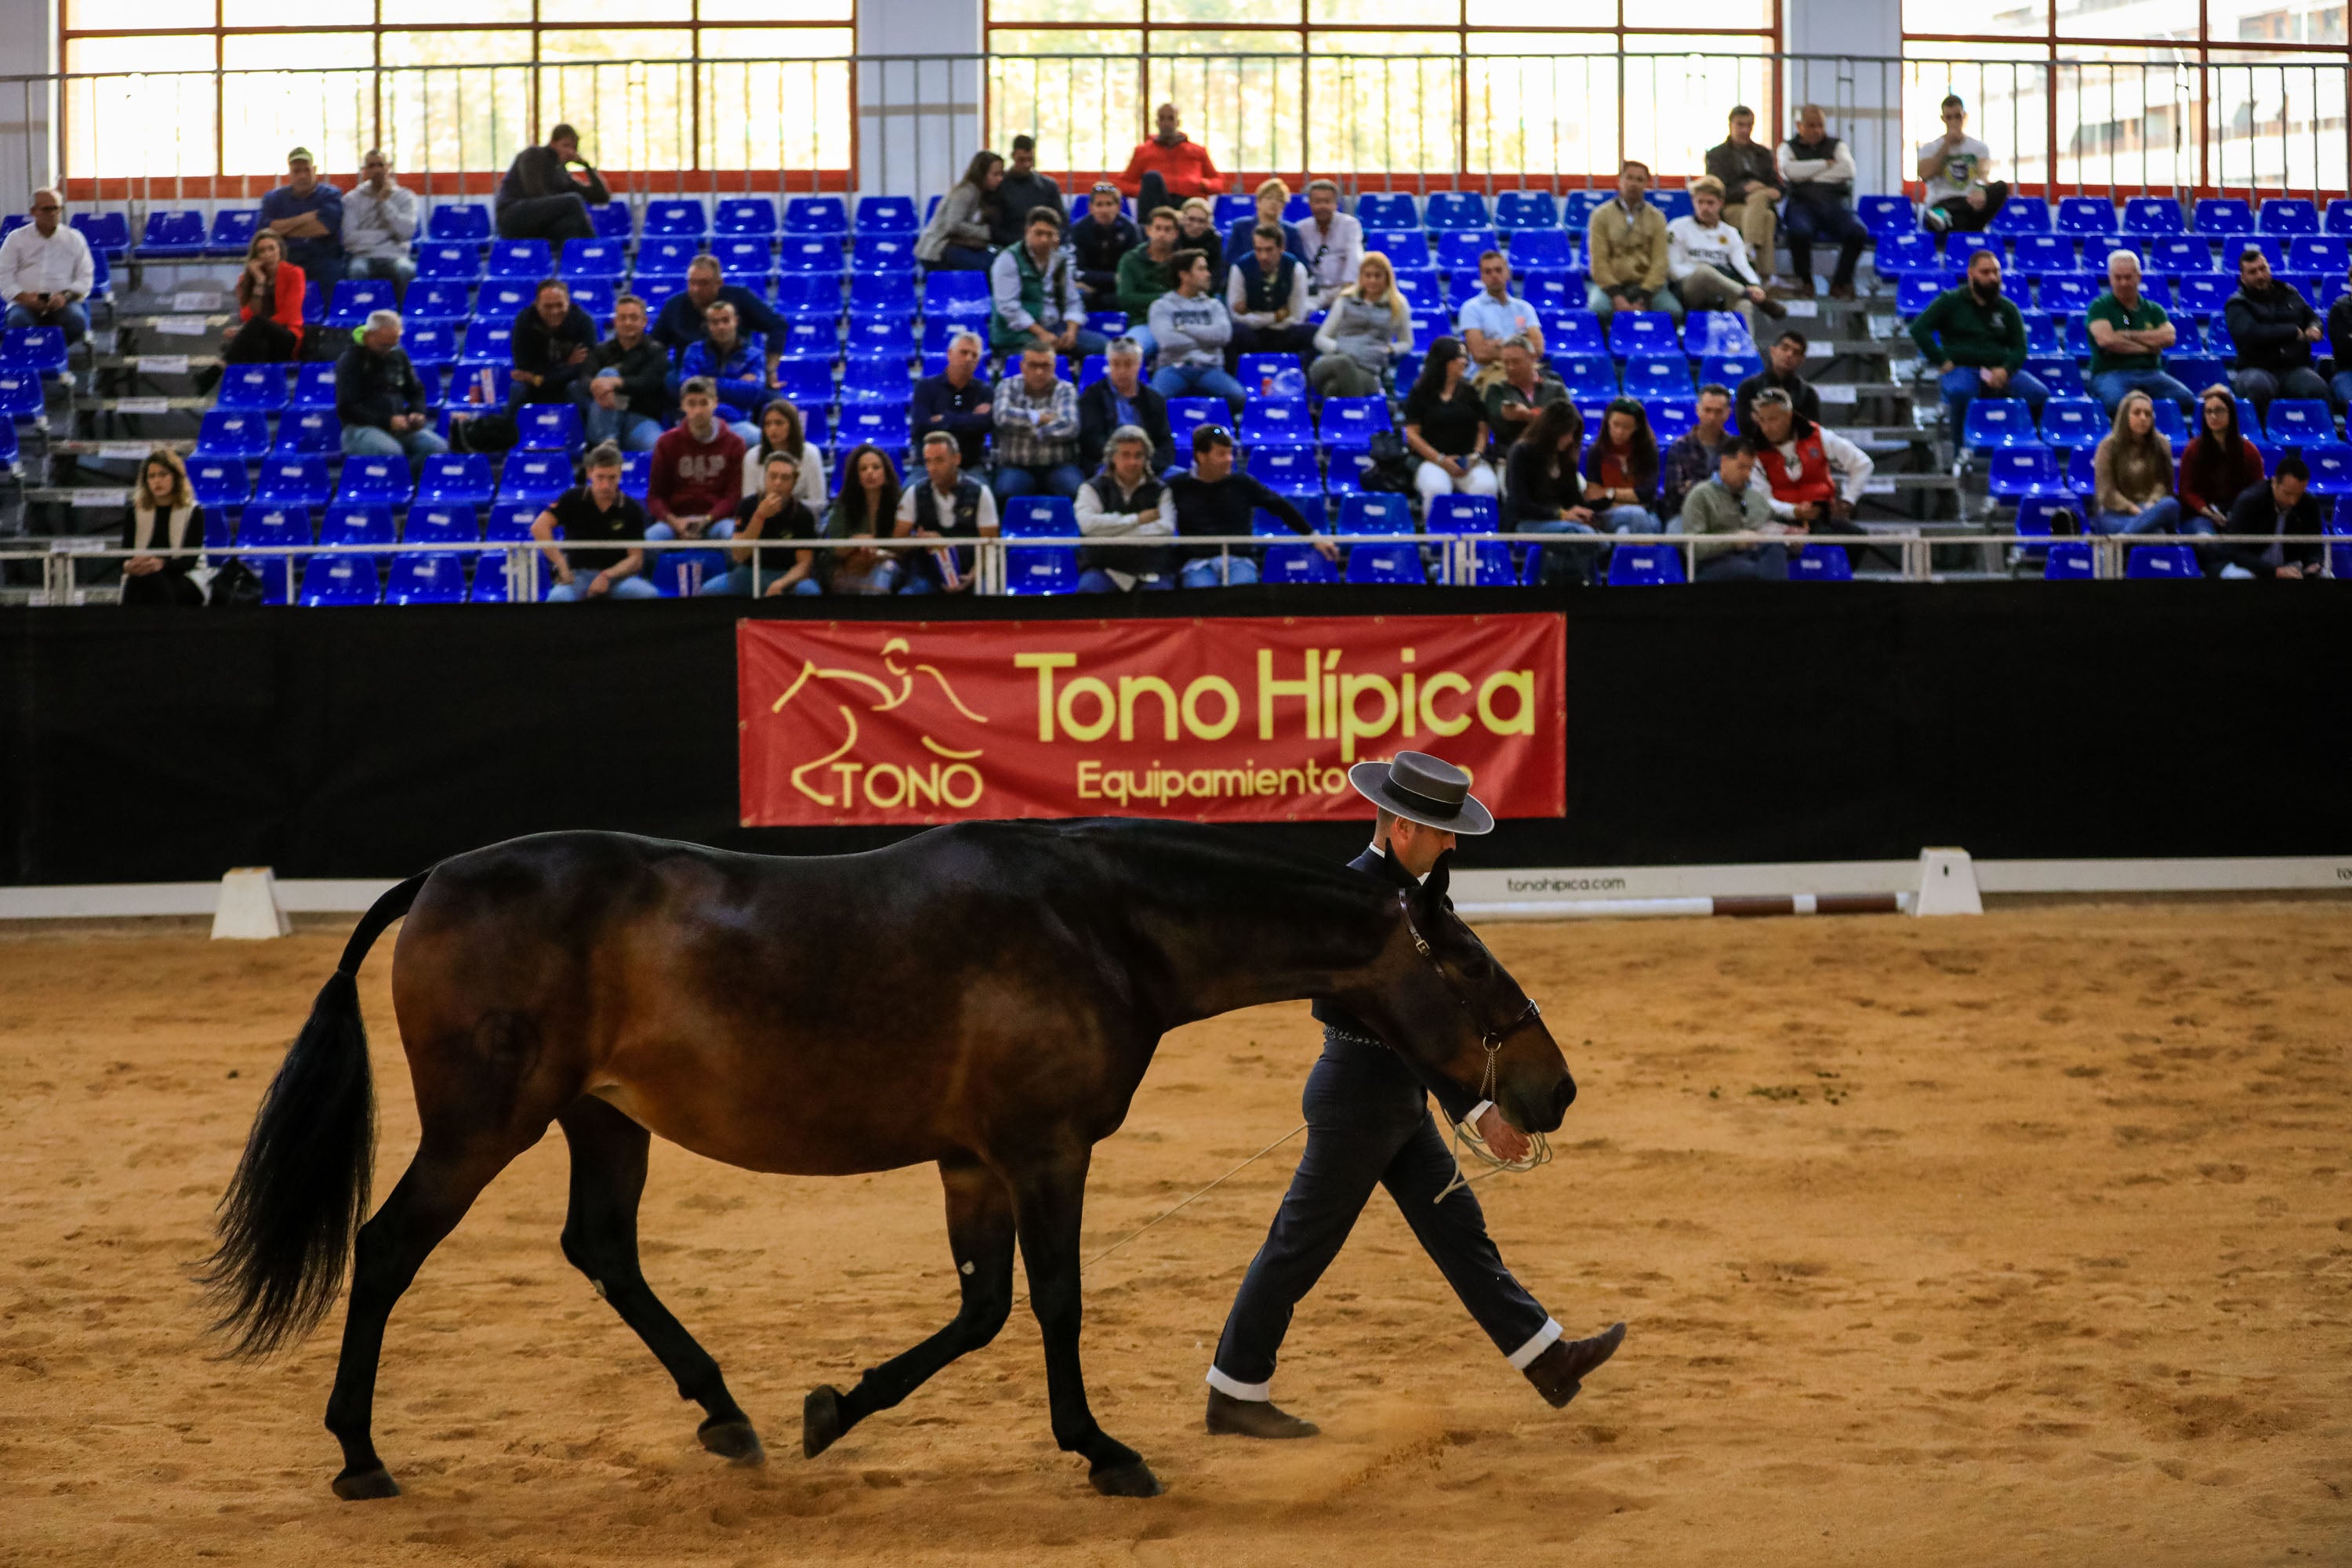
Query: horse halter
x=1491 y=1039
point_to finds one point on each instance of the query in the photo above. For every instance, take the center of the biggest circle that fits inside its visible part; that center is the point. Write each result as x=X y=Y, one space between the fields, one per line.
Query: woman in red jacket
x=2218 y=467
x=269 y=306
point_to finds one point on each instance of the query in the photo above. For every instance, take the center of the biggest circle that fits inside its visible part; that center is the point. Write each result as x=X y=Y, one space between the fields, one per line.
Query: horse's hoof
x=1133 y=1478
x=821 y=1423
x=361 y=1486
x=733 y=1440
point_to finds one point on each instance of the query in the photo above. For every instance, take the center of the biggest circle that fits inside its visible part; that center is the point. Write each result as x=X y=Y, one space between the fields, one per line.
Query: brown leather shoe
x=1840 y=290
x=1230 y=1417
x=1559 y=1372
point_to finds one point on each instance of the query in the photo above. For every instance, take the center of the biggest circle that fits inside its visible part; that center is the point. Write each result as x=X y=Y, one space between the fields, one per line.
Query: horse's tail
x=286 y=1221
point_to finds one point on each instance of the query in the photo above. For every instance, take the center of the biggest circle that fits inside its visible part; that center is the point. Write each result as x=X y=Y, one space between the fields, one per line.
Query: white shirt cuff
x=1263 y=1391
x=1477 y=1110
x=1526 y=1354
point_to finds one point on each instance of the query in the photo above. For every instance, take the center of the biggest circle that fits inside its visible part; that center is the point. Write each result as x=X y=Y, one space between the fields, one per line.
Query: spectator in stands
x=1494 y=315
x=546 y=191
x=782 y=433
x=957 y=239
x=1369 y=325
x=1784 y=366
x=1976 y=340
x=1169 y=165
x=379 y=221
x=2129 y=333
x=162 y=517
x=1445 y=426
x=697 y=470
x=1125 y=500
x=1273 y=196
x=1816 y=476
x=1212 y=500
x=1265 y=294
x=1621 y=470
x=1035 y=287
x=1196 y=229
x=681 y=321
x=2218 y=465
x=1751 y=183
x=1037 y=416
x=1693 y=455
x=1818 y=172
x=947 y=503
x=1023 y=191
x=552 y=342
x=379 y=400
x=1706 y=260
x=1148 y=272
x=1333 y=243
x=1727 y=502
x=1102 y=239
x=732 y=365
x=2339 y=331
x=955 y=402
x=1120 y=399
x=773 y=509
x=595 y=517
x=1525 y=386
x=1625 y=250
x=306 y=214
x=2261 y=512
x=1953 y=166
x=867 y=508
x=2273 y=326
x=629 y=383
x=47 y=271
x=268 y=327
x=1543 y=492
x=2133 y=469
x=1192 y=330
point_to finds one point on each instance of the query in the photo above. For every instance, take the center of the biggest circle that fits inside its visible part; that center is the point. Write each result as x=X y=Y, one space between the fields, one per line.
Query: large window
x=2234 y=94
x=1500 y=91
x=453 y=87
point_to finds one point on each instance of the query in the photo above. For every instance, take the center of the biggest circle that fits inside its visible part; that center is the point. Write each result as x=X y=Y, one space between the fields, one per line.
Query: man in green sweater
x=1727 y=503
x=1144 y=275
x=1976 y=340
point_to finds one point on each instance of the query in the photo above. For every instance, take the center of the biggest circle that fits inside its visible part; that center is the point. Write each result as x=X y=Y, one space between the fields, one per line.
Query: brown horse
x=986 y=997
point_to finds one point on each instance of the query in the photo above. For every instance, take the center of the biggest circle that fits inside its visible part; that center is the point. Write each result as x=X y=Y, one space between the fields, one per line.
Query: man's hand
x=577 y=354
x=1995 y=377
x=775 y=590
x=1805 y=511
x=528 y=378
x=980 y=408
x=606 y=390
x=1577 y=514
x=1839 y=508
x=692 y=527
x=601 y=585
x=1503 y=1141
x=142 y=565
x=1324 y=547
x=2290 y=570
x=2311 y=333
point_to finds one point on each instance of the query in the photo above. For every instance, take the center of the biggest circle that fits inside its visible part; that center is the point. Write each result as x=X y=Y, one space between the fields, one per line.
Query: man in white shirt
x=1818 y=171
x=379 y=220
x=46 y=272
x=1816 y=476
x=948 y=504
x=1706 y=260
x=1335 y=245
x=1953 y=166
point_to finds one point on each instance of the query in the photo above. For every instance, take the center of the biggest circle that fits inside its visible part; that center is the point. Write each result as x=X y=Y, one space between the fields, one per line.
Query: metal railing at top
x=906 y=124
x=1454 y=559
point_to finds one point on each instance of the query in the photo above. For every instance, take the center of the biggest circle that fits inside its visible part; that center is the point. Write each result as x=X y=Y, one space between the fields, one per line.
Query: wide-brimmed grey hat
x=1424 y=789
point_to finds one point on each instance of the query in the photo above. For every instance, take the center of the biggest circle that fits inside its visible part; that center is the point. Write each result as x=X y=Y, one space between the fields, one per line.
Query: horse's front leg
x=1049 y=1200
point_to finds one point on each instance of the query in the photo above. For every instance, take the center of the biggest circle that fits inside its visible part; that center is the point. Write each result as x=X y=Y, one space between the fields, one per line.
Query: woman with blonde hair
x=2134 y=470
x=1369 y=324
x=162 y=517
x=1196 y=229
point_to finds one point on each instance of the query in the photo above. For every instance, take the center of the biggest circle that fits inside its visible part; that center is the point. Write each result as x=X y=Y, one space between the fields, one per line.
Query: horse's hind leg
x=980 y=1234
x=600 y=1237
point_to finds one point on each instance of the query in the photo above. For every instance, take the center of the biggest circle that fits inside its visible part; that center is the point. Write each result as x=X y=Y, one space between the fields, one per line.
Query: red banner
x=1211 y=720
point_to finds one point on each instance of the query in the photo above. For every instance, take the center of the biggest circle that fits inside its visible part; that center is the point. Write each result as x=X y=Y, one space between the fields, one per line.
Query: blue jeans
x=633 y=586
x=1198 y=381
x=1753 y=563
x=1568 y=565
x=738 y=583
x=632 y=431
x=1143 y=340
x=1802 y=223
x=1604 y=305
x=72 y=318
x=2109 y=387
x=711 y=563
x=1203 y=572
x=1061 y=480
x=369 y=441
x=2342 y=387
x=1626 y=518
x=1963 y=383
x=2164 y=516
x=1095 y=580
x=399 y=269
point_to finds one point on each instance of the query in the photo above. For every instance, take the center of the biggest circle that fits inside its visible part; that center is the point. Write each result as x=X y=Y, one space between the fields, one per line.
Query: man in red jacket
x=1170 y=165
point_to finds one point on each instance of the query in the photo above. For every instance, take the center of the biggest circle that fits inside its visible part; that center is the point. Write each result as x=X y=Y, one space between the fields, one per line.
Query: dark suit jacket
x=1455 y=1101
x=1098 y=416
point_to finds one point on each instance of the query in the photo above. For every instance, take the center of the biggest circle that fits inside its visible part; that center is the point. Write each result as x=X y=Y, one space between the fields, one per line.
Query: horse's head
x=1440 y=998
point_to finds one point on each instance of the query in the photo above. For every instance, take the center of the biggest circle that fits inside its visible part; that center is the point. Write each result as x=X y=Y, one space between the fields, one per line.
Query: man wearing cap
x=306 y=215
x=1368 y=1124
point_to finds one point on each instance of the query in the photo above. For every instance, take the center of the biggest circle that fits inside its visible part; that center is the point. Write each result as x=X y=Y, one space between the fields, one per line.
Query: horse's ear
x=1432 y=890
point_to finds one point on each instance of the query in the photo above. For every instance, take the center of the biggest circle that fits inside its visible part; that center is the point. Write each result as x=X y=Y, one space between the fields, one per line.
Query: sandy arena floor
x=2025 y=1240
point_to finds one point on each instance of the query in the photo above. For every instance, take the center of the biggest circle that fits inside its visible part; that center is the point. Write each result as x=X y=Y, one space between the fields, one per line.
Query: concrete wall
x=918 y=119
x=29 y=48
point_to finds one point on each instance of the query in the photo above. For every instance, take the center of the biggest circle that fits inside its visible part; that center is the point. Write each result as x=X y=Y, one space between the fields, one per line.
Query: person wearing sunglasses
x=1954 y=166
x=46 y=272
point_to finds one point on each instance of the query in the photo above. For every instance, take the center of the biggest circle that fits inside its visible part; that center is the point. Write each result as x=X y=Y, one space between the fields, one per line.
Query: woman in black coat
x=163 y=516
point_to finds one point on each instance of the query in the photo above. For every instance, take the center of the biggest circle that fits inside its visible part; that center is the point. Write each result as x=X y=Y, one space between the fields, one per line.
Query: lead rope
x=1466 y=1140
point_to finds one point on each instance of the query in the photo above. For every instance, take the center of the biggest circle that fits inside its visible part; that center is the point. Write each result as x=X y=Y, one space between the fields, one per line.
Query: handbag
x=234 y=587
x=1390 y=469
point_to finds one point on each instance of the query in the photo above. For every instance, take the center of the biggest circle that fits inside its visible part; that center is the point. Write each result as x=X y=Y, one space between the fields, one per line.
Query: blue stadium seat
x=314 y=303
x=638 y=467
x=1915 y=291
x=1519 y=212
x=668 y=255
x=1584 y=376
x=358 y=523
x=255 y=388
x=1823 y=565
x=2069 y=293
x=489 y=342
x=1657 y=375
x=1675 y=204
x=1422 y=289
x=675 y=219
x=883 y=380
x=548 y=427
x=596 y=297
x=2069 y=422
x=1576 y=331
x=374 y=481
x=1385 y=564
x=2021 y=214
x=888 y=215
x=520 y=261
x=1542 y=250
x=232 y=231
x=422 y=578
x=2197 y=372
x=1345 y=474
x=456 y=479
x=891 y=254
x=1448 y=210
x=273 y=527
x=1286 y=470
x=441 y=526
x=2289 y=216
x=1999 y=423
x=1639 y=332
x=172 y=234
x=878 y=424
x=1353 y=421
x=1729 y=370
x=2218 y=217
x=2086 y=217
x=1887 y=216
x=1645 y=565
x=806 y=380
x=1295 y=565
x=229 y=433
x=449 y=262
x=745 y=214
x=1458 y=250
x=2171 y=255
x=108 y=234
x=467 y=221
x=1271 y=375
x=2338 y=219
x=328 y=580
x=2331 y=467
x=40 y=351
x=2152 y=217
x=23 y=397
x=1553 y=294
x=880 y=295
x=2015 y=471
x=294 y=482
x=2060 y=375
x=2300 y=421
x=2176 y=562
x=1186 y=414
x=1671 y=418
x=1959 y=249
x=744 y=258
x=1375 y=514
x=810 y=294
x=1033 y=570
x=1039 y=516
x=1235 y=206
x=534 y=477
x=2082 y=471
x=2319 y=253
x=823 y=215
x=219 y=482
x=355 y=299
x=879 y=337
x=1716 y=333
x=1275 y=422
x=2043 y=335
x=1407 y=249
x=811 y=339
x=436 y=303
x=1907 y=255
x=587 y=259
x=1577 y=208
x=1428 y=326
x=1374 y=210
x=2068 y=559
x=431 y=346
x=2270 y=244
x=612 y=220
x=2218 y=342
x=2037 y=254
x=310 y=432
x=810 y=253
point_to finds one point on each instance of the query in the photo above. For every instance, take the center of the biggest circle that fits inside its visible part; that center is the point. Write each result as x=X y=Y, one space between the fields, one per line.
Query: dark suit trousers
x=1368 y=1124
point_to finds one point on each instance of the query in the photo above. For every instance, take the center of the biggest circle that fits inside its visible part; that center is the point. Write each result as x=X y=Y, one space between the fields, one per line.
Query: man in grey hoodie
x=1192 y=327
